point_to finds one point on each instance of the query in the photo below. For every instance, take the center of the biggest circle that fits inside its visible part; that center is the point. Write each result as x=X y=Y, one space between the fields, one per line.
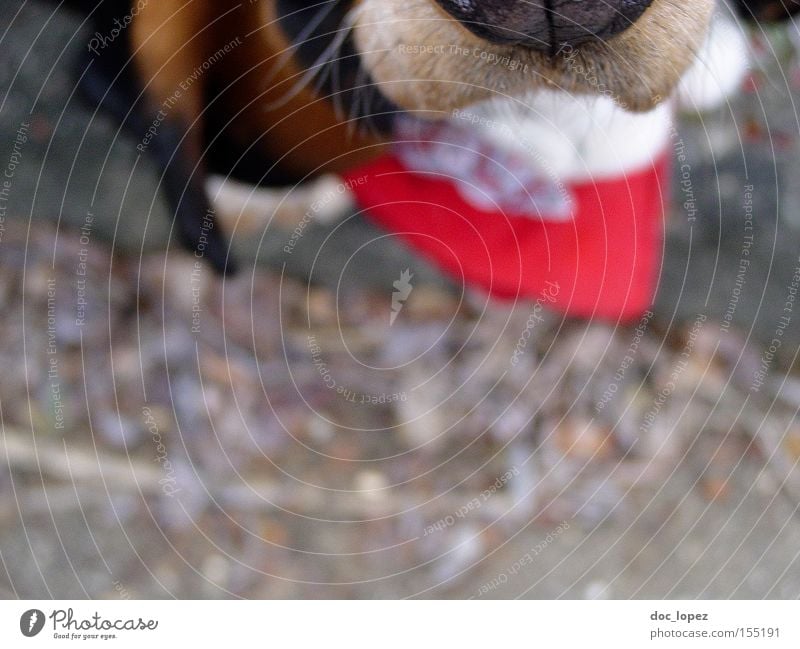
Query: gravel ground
x=168 y=435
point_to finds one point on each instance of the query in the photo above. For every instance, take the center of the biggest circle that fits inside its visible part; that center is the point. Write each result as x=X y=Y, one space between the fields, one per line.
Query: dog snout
x=545 y=25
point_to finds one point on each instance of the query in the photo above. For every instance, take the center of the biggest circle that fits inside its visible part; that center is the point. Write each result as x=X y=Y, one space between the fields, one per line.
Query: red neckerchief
x=599 y=260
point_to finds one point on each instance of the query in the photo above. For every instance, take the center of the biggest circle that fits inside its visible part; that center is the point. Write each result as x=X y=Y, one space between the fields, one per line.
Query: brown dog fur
x=261 y=100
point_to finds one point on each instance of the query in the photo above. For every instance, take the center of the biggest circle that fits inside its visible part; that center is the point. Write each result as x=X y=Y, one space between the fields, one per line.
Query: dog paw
x=245 y=209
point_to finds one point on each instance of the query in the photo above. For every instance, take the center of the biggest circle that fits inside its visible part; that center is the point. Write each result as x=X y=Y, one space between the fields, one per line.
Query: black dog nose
x=545 y=25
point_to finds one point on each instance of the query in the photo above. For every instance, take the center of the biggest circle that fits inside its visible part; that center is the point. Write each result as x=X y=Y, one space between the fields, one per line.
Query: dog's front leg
x=173 y=50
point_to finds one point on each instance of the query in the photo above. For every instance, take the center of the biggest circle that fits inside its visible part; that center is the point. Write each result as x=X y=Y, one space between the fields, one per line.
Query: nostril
x=504 y=22
x=575 y=21
x=545 y=24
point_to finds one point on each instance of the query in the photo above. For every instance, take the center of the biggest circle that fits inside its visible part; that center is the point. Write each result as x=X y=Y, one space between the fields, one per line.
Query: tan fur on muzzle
x=454 y=68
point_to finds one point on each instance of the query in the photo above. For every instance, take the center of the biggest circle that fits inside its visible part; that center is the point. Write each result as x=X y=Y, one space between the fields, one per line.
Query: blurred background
x=167 y=434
